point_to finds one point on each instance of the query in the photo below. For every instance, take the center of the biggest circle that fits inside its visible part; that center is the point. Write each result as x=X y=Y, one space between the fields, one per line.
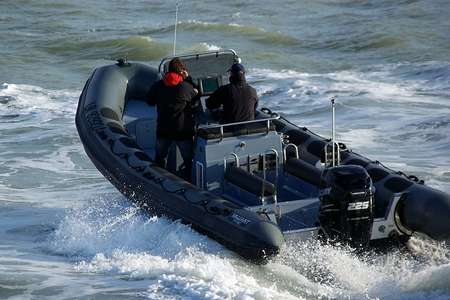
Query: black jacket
x=173 y=102
x=239 y=101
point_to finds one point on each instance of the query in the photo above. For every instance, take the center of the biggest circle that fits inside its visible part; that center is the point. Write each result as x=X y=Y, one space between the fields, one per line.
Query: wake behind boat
x=254 y=184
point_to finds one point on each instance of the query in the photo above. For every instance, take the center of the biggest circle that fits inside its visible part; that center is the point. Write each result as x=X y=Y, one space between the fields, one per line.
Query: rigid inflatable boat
x=254 y=184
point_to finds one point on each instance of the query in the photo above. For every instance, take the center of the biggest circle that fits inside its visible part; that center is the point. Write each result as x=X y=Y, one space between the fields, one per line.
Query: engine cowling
x=346 y=204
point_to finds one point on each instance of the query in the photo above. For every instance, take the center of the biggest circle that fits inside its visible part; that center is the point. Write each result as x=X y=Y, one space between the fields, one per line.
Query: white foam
x=434 y=278
x=59 y=161
x=284 y=86
x=377 y=88
x=114 y=238
x=375 y=85
x=211 y=47
x=211 y=24
x=192 y=274
x=360 y=138
x=29 y=98
x=109 y=236
x=336 y=272
x=105 y=225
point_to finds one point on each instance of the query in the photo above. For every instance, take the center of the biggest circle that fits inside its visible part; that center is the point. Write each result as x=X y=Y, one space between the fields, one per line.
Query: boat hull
x=116 y=155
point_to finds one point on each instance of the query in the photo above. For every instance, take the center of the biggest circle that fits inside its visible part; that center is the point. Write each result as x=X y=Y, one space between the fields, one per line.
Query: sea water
x=66 y=233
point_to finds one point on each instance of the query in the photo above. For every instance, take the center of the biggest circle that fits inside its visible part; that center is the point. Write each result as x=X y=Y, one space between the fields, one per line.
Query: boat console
x=247 y=162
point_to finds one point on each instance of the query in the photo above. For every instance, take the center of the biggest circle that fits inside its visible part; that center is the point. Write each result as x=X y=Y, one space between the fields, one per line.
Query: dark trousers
x=185 y=146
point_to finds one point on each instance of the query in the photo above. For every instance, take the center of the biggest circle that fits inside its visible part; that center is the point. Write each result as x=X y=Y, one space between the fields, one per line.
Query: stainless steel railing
x=222 y=126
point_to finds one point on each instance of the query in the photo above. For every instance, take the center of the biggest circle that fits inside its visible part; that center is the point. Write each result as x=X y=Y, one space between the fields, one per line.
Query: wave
x=23 y=99
x=165 y=258
x=203 y=47
x=392 y=83
x=355 y=42
x=433 y=75
x=110 y=236
x=40 y=151
x=339 y=273
x=133 y=47
x=254 y=33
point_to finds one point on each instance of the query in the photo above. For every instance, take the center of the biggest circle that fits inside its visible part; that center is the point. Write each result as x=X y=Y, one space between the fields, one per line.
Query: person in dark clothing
x=238 y=98
x=172 y=96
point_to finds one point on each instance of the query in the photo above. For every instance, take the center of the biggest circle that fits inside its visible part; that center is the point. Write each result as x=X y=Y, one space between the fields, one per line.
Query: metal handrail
x=272 y=150
x=199 y=174
x=165 y=59
x=221 y=126
x=285 y=150
x=236 y=159
x=336 y=159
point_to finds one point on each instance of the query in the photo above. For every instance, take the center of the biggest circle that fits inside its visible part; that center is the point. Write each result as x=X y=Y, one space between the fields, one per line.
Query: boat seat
x=303 y=170
x=235 y=130
x=249 y=182
x=140 y=121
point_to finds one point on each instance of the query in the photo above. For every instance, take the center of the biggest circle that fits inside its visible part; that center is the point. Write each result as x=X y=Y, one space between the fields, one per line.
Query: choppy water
x=65 y=232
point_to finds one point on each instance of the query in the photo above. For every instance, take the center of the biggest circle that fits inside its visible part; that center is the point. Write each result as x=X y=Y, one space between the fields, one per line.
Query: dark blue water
x=67 y=233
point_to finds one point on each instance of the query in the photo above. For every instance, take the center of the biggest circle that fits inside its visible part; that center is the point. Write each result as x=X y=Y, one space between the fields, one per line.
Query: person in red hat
x=238 y=98
x=172 y=96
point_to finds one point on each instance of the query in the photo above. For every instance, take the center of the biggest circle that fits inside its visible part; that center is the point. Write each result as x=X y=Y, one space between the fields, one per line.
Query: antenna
x=175 y=30
x=333 y=128
x=335 y=159
x=333 y=132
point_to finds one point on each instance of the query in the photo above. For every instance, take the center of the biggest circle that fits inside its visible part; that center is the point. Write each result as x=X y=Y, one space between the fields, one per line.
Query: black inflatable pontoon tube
x=427 y=211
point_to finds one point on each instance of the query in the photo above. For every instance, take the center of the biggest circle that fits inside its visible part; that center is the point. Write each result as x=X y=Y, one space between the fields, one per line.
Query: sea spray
x=111 y=236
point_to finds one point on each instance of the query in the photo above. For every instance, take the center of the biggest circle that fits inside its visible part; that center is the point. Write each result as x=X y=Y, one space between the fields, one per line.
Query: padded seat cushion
x=249 y=182
x=303 y=170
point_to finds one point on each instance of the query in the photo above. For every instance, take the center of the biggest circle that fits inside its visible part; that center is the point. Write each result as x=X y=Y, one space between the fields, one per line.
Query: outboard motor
x=346 y=204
